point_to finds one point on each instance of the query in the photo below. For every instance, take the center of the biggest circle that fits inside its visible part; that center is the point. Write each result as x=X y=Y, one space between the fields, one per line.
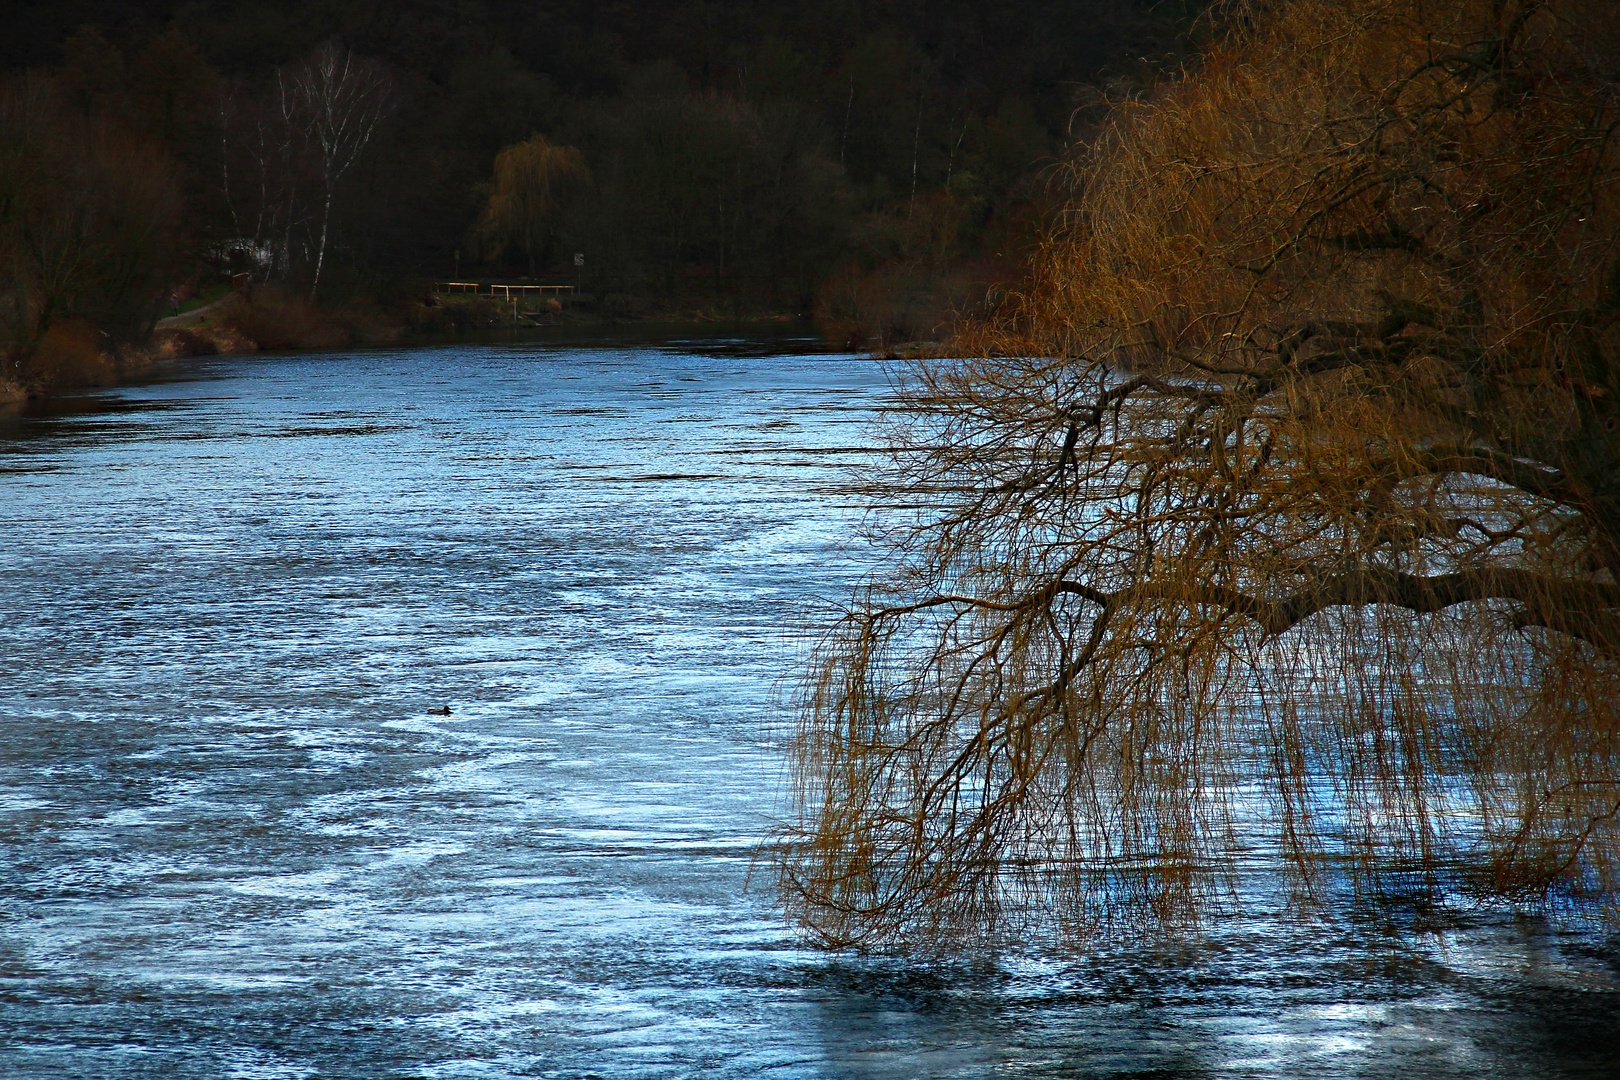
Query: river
x=235 y=841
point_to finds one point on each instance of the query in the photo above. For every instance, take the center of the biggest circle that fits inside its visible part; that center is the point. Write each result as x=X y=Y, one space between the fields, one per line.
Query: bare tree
x=342 y=99
x=90 y=225
x=1282 y=509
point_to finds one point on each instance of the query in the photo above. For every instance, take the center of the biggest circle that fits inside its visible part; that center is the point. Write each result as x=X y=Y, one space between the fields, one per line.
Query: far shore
x=222 y=328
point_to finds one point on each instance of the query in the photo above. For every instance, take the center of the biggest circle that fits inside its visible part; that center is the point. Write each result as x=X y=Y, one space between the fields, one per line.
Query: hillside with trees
x=878 y=165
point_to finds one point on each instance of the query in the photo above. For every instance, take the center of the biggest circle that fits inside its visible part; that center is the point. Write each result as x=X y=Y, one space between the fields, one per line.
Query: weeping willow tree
x=1280 y=514
x=532 y=179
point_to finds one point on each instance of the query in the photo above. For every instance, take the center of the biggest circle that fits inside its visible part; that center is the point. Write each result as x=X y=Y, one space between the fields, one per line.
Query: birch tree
x=342 y=100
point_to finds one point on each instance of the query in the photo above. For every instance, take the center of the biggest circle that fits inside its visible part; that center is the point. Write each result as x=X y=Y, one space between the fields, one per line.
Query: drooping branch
x=1529 y=477
x=1580 y=608
x=1317 y=370
x=1577 y=608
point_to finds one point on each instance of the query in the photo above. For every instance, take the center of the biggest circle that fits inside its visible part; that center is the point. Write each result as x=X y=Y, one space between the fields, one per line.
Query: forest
x=876 y=166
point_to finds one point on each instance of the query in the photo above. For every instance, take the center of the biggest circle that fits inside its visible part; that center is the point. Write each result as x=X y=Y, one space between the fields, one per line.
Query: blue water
x=235 y=843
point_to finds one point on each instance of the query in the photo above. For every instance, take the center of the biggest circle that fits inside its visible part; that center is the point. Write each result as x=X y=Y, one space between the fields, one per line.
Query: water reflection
x=233 y=841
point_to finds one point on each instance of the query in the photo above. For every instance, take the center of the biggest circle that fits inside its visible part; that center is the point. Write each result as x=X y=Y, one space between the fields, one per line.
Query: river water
x=234 y=842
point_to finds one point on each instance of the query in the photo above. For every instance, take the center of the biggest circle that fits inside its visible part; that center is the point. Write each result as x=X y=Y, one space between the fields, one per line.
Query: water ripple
x=235 y=842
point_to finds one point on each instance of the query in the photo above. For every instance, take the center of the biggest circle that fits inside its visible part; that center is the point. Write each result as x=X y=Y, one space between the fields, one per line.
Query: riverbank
x=75 y=357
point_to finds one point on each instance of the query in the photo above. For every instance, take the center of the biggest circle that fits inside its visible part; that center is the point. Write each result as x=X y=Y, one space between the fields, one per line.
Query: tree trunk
x=320 y=250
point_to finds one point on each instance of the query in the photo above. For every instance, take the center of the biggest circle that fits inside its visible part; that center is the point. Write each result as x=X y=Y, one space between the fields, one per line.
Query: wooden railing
x=500 y=292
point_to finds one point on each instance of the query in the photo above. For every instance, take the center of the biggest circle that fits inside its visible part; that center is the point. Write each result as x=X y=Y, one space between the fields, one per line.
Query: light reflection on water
x=234 y=843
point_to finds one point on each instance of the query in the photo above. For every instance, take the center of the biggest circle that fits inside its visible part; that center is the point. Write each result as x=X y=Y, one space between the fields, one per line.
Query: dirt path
x=194 y=316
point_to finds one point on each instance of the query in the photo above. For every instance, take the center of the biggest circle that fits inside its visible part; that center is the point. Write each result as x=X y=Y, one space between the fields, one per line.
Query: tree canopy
x=1280 y=512
x=531 y=178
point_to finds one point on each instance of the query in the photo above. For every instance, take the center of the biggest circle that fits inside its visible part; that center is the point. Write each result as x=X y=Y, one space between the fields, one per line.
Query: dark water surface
x=233 y=843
